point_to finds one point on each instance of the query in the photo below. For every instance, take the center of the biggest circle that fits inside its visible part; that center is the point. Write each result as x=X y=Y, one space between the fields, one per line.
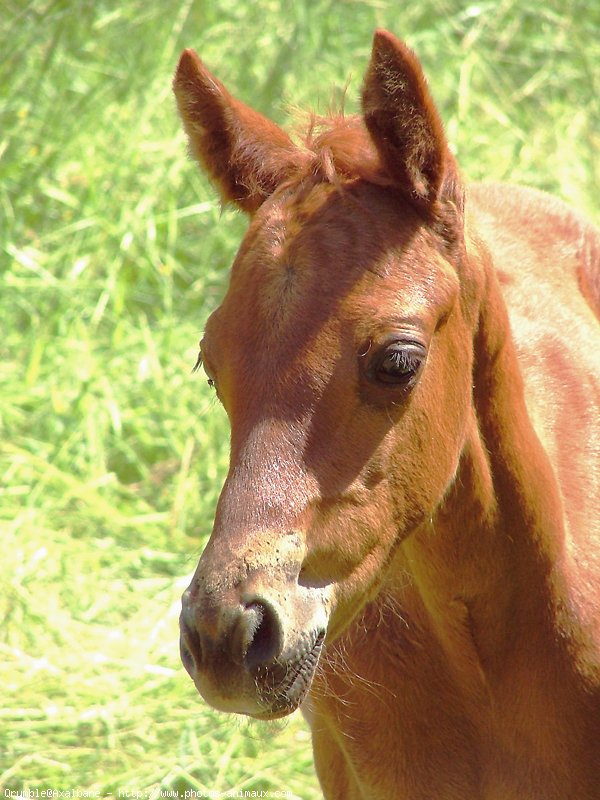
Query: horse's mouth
x=282 y=686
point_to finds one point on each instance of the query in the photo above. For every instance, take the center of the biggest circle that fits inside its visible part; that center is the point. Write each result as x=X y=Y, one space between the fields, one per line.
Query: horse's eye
x=398 y=363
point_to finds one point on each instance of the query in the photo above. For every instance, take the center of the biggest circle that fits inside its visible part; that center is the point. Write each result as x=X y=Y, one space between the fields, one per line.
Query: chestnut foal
x=407 y=543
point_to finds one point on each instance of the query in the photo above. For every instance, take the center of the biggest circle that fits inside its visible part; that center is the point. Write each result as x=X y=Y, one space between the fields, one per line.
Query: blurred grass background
x=113 y=250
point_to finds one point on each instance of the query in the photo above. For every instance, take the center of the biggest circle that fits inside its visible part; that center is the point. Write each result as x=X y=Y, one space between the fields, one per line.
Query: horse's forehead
x=299 y=234
x=322 y=249
x=314 y=264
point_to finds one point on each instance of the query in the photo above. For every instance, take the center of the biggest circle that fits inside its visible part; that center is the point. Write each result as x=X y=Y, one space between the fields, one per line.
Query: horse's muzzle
x=252 y=652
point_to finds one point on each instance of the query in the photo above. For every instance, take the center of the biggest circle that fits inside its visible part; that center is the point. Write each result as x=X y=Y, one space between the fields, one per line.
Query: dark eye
x=398 y=363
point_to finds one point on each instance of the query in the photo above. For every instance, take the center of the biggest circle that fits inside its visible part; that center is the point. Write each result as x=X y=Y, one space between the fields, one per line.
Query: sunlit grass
x=113 y=251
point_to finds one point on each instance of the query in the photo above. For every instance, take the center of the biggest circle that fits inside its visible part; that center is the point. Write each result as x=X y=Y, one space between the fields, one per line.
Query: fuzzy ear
x=403 y=121
x=244 y=153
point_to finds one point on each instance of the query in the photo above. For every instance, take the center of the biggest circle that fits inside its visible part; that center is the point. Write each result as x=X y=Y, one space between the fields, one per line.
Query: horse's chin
x=265 y=692
x=270 y=716
x=283 y=686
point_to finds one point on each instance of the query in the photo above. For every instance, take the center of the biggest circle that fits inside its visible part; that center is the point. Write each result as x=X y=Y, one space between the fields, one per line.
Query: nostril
x=264 y=635
x=189 y=646
x=187 y=658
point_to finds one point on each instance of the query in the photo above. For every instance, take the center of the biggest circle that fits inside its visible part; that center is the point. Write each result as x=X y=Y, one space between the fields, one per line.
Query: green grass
x=113 y=250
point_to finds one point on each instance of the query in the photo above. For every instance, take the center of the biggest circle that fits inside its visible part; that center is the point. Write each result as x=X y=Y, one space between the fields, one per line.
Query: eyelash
x=398 y=363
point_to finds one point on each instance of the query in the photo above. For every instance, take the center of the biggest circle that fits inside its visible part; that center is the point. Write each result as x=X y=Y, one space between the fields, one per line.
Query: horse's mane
x=337 y=149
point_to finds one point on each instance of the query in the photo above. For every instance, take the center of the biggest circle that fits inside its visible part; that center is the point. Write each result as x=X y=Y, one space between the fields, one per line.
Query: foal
x=407 y=543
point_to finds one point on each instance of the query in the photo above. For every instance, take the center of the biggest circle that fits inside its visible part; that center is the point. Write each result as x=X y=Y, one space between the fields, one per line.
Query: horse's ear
x=244 y=153
x=404 y=123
